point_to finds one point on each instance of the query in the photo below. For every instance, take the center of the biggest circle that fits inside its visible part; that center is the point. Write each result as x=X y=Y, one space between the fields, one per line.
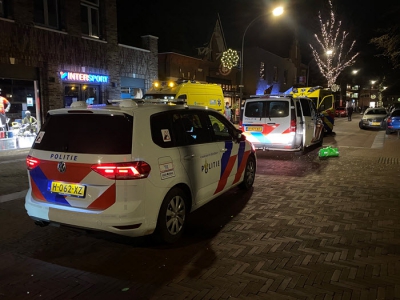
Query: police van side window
x=313 y=109
x=306 y=107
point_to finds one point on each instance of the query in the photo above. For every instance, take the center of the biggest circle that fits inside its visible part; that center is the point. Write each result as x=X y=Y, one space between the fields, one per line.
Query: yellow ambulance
x=192 y=92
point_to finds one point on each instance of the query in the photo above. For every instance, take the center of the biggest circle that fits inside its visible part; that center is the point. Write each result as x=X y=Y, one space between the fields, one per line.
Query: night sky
x=182 y=26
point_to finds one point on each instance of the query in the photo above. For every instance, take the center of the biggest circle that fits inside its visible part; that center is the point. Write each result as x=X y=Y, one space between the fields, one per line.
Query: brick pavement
x=310 y=229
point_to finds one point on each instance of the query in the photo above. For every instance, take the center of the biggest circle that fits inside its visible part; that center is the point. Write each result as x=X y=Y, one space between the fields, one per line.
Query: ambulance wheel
x=172 y=217
x=249 y=174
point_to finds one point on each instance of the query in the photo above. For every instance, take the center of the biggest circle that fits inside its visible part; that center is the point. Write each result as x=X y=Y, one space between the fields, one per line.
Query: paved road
x=309 y=229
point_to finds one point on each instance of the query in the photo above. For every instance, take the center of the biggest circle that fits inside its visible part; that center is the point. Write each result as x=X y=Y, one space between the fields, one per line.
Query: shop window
x=131 y=93
x=71 y=94
x=81 y=92
x=90 y=18
x=46 y=13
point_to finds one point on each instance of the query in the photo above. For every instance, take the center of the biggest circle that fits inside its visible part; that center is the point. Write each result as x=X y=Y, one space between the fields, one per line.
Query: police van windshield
x=271 y=109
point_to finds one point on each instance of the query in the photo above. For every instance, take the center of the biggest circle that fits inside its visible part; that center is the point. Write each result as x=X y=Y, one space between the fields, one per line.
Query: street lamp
x=276 y=12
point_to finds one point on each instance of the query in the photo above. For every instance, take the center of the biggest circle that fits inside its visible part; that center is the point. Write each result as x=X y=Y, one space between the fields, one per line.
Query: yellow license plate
x=254 y=128
x=376 y=123
x=71 y=189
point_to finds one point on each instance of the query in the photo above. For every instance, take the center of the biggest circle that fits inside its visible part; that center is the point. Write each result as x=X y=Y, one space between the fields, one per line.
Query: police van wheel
x=321 y=141
x=301 y=151
x=249 y=174
x=172 y=217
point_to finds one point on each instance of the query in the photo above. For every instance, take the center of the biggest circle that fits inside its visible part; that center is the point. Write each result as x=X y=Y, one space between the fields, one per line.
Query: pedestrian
x=228 y=112
x=349 y=112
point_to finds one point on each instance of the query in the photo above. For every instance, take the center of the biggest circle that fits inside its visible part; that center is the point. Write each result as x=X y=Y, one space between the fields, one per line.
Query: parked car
x=373 y=118
x=134 y=169
x=282 y=123
x=393 y=121
x=341 y=112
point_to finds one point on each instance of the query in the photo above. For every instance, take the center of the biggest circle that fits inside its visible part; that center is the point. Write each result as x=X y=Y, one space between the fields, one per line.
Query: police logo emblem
x=61 y=167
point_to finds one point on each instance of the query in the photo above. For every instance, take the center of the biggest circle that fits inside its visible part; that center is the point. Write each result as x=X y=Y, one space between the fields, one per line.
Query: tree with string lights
x=333 y=58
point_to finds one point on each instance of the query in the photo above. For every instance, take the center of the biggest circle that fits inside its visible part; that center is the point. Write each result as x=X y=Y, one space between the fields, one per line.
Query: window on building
x=275 y=79
x=2 y=8
x=5 y=9
x=285 y=76
x=46 y=13
x=90 y=18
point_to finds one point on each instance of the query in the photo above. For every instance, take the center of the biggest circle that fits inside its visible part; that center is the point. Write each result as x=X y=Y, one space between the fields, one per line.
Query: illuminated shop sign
x=83 y=77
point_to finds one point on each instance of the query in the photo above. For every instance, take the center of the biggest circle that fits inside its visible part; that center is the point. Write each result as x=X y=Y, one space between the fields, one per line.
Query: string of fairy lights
x=333 y=59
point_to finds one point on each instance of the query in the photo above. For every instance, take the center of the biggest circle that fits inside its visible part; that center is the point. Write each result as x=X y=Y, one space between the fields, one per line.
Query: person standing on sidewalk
x=349 y=112
x=228 y=112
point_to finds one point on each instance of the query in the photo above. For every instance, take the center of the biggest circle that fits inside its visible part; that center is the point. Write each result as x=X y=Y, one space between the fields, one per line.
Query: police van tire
x=301 y=151
x=172 y=217
x=249 y=174
x=321 y=141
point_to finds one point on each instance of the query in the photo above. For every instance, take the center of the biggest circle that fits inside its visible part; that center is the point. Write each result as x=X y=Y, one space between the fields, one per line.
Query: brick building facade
x=54 y=52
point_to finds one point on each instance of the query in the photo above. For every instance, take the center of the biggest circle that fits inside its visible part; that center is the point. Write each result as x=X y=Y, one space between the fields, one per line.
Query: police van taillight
x=123 y=171
x=293 y=123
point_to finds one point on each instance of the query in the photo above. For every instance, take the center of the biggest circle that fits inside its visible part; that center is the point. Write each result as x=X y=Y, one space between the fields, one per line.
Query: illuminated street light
x=276 y=12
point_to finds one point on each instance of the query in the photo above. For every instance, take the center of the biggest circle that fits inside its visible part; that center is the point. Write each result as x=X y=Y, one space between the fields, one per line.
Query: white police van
x=133 y=169
x=281 y=123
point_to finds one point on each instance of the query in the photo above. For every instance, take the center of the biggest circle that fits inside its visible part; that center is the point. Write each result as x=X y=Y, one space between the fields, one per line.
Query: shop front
x=86 y=87
x=19 y=88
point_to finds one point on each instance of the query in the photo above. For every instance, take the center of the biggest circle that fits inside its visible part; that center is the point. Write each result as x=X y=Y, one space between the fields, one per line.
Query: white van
x=281 y=123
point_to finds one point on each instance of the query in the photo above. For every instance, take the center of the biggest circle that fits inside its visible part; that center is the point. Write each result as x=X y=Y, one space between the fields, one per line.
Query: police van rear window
x=87 y=133
x=263 y=109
